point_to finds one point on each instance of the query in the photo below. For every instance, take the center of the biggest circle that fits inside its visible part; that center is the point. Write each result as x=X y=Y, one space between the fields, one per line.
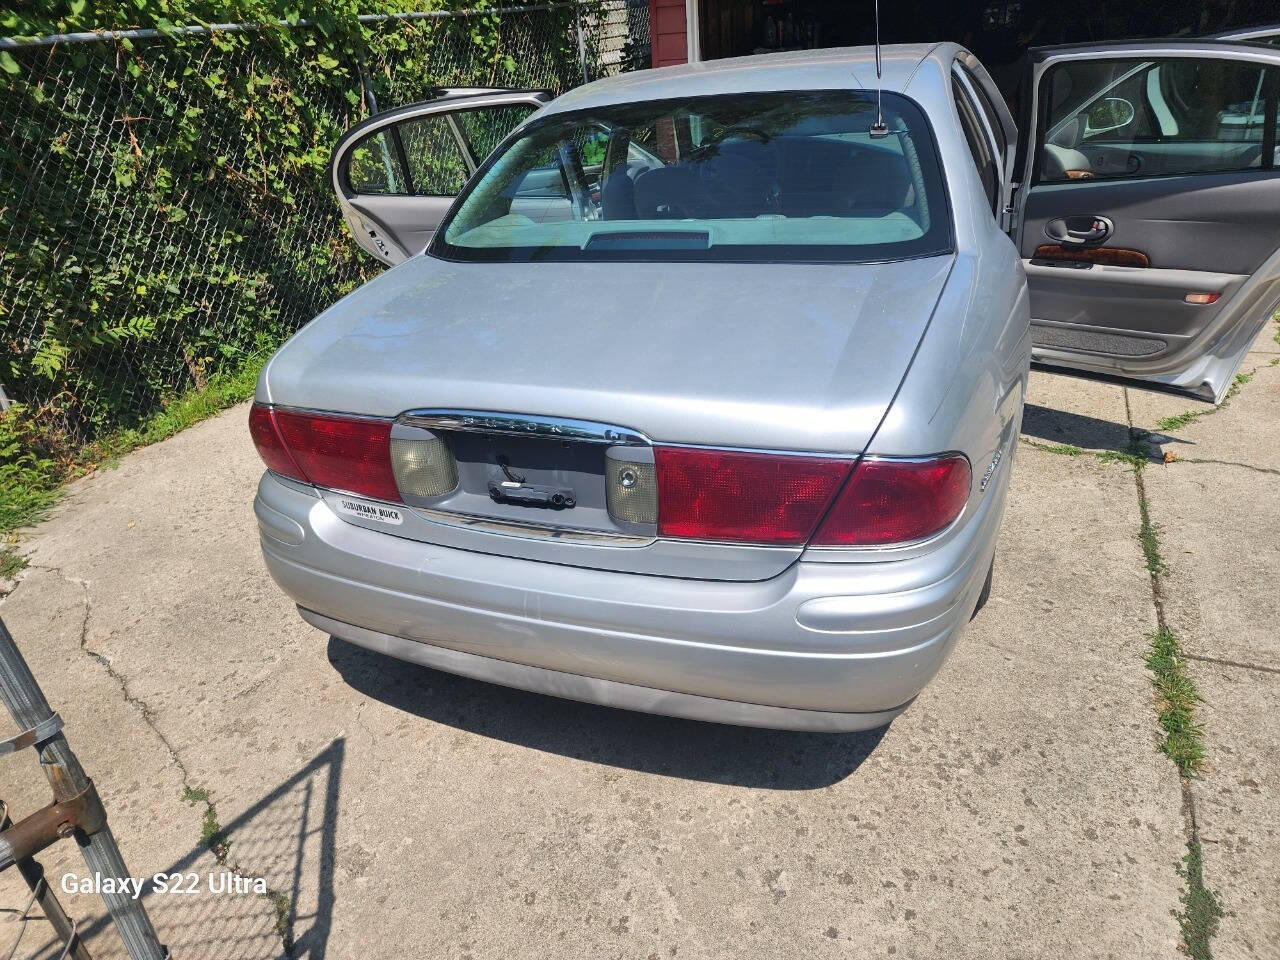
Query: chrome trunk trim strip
x=523 y=425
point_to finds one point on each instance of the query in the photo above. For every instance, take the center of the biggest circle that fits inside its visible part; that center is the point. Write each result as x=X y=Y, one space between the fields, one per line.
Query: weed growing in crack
x=1149 y=537
x=1134 y=455
x=1126 y=457
x=1201 y=912
x=1180 y=420
x=1183 y=737
x=211 y=833
x=1183 y=742
x=1061 y=449
x=283 y=907
x=215 y=839
x=1176 y=691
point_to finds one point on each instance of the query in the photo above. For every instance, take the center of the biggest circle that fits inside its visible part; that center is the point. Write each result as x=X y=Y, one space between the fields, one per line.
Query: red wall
x=667 y=27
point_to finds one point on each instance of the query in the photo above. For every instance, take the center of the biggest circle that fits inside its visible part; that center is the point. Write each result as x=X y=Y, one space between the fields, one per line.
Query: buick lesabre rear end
x=701 y=401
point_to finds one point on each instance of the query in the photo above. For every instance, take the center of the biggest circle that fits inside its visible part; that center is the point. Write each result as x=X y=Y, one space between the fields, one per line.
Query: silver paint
x=891 y=359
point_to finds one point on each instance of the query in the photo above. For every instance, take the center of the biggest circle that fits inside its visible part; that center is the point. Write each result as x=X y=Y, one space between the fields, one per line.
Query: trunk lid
x=794 y=357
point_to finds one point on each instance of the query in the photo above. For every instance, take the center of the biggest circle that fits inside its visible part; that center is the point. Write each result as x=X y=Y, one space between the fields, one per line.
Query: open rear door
x=1148 y=211
x=396 y=173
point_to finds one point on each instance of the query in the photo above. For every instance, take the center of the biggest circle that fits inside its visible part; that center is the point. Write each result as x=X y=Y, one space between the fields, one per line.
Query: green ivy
x=166 y=201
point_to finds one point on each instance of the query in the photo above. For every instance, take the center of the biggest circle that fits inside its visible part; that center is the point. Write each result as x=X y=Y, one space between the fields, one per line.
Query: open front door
x=1148 y=215
x=396 y=173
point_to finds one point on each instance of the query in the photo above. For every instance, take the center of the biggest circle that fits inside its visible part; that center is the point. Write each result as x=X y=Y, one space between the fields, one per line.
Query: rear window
x=790 y=176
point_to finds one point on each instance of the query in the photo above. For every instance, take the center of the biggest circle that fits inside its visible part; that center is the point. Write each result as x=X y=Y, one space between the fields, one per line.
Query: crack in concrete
x=1228 y=463
x=1188 y=417
x=101 y=659
x=144 y=710
x=1197 y=891
x=1218 y=661
x=1125 y=457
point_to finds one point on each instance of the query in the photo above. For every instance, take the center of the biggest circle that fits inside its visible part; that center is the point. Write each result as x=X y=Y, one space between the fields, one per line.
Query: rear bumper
x=823 y=646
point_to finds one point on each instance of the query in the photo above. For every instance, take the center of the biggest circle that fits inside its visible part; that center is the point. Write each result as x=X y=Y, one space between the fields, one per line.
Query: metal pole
x=582 y=44
x=366 y=85
x=29 y=708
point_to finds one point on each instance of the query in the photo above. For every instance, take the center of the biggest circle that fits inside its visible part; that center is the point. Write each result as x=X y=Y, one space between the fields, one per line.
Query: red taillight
x=343 y=453
x=745 y=497
x=897 y=501
x=262 y=427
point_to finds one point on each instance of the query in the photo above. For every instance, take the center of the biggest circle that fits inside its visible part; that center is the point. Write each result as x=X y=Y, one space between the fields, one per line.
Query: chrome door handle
x=1079 y=230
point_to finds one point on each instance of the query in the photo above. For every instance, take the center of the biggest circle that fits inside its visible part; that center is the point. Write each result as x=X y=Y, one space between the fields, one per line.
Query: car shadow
x=689 y=749
x=1090 y=433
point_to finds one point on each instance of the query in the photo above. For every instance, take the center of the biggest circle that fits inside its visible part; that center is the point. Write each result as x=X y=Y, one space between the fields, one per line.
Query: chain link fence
x=165 y=207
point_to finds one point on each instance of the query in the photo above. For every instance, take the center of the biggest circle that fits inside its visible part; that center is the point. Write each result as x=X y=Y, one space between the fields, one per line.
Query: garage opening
x=997 y=31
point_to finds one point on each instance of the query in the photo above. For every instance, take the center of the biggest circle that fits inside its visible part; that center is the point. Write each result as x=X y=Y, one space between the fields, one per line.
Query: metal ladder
x=76 y=812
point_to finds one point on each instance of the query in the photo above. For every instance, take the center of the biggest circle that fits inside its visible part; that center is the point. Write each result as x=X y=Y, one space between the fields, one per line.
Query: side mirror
x=1066 y=135
x=1109 y=114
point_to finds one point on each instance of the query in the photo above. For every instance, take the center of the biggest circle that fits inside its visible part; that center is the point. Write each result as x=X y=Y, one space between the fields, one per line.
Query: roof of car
x=833 y=68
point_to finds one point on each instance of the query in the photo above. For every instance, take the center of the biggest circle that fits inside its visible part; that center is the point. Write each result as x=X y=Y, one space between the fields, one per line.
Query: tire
x=986 y=589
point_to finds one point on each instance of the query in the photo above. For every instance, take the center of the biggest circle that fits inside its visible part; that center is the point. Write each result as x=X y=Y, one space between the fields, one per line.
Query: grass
x=1183 y=743
x=1201 y=912
x=283 y=906
x=32 y=479
x=12 y=562
x=1176 y=693
x=1149 y=537
x=1183 y=738
x=223 y=390
x=1134 y=456
x=1061 y=449
x=215 y=839
x=1180 y=420
x=211 y=833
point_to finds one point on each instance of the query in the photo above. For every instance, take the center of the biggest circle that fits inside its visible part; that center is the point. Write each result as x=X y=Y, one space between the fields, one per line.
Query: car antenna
x=879 y=128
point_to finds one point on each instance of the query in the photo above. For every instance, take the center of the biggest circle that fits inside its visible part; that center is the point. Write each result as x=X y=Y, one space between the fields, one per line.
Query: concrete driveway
x=1020 y=808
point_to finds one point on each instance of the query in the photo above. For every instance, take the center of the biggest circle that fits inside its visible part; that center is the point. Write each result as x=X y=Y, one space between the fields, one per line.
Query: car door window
x=437 y=166
x=421 y=156
x=374 y=166
x=396 y=173
x=1125 y=118
x=979 y=146
x=427 y=155
x=485 y=129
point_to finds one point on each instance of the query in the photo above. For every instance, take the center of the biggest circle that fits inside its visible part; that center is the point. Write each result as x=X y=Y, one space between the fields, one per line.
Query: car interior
x=1152 y=201
x=741 y=175
x=1153 y=118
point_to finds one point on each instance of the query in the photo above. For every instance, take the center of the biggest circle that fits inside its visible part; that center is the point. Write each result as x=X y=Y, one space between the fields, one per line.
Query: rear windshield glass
x=790 y=176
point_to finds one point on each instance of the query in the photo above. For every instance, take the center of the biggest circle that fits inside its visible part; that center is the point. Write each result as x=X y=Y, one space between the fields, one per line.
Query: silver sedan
x=701 y=397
